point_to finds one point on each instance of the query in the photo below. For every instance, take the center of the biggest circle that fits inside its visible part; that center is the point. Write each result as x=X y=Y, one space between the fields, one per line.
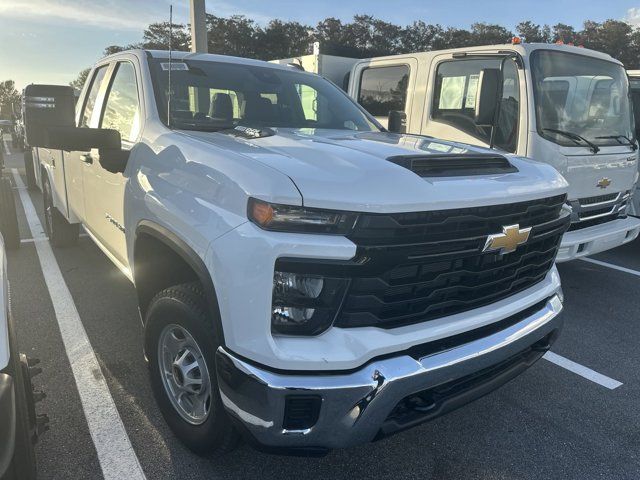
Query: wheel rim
x=184 y=373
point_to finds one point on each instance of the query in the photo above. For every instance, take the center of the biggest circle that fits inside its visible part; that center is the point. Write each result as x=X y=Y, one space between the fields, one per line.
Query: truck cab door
x=381 y=86
x=74 y=162
x=120 y=110
x=450 y=102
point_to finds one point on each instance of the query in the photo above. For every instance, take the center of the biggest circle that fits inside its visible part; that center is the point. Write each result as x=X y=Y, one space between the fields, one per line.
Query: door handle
x=86 y=158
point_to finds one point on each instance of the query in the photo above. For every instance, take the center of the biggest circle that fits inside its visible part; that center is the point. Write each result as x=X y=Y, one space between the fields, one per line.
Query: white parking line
x=32 y=240
x=115 y=453
x=583 y=371
x=611 y=265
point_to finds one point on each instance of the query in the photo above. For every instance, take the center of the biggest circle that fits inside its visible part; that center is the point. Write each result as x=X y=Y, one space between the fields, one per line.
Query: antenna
x=170 y=65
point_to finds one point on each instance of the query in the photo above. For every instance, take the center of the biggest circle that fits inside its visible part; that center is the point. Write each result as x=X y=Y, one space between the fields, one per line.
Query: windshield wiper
x=630 y=143
x=575 y=137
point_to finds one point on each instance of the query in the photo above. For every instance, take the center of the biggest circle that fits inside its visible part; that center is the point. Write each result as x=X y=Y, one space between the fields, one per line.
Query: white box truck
x=634 y=87
x=558 y=104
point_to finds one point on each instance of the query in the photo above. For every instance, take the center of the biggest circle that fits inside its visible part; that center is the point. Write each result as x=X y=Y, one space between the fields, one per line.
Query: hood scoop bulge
x=454 y=165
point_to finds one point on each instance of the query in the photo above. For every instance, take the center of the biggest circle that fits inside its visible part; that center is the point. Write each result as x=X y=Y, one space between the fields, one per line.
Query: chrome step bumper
x=354 y=406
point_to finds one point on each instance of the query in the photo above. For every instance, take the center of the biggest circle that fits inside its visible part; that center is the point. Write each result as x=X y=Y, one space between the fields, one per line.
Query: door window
x=383 y=89
x=92 y=94
x=122 y=109
x=454 y=100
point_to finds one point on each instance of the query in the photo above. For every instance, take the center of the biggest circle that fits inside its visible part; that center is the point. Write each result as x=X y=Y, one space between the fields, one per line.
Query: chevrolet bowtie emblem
x=508 y=240
x=604 y=182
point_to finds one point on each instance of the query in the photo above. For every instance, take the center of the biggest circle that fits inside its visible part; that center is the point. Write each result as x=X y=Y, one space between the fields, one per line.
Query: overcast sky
x=50 y=41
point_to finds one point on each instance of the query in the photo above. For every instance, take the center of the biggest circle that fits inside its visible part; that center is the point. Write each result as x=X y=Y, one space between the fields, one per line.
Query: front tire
x=180 y=343
x=8 y=216
x=61 y=233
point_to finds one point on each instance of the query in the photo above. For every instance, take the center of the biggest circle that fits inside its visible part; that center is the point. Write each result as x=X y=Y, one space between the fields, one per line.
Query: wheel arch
x=179 y=264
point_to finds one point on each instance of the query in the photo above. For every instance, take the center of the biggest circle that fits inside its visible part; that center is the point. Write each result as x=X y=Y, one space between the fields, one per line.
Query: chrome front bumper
x=591 y=240
x=355 y=406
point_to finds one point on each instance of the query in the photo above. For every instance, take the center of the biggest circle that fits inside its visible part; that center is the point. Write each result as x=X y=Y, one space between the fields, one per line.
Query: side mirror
x=487 y=96
x=81 y=139
x=397 y=121
x=108 y=142
x=46 y=106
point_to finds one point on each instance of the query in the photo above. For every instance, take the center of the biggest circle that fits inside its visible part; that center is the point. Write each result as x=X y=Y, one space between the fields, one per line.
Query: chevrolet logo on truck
x=508 y=240
x=604 y=182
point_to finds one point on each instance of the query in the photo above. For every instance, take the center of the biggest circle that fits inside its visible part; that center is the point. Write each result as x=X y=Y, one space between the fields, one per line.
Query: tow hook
x=39 y=423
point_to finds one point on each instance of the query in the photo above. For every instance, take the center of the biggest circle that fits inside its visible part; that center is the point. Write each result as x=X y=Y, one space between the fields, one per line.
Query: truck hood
x=350 y=171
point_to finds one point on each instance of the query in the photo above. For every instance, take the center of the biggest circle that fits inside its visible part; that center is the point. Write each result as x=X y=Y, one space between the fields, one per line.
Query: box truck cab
x=634 y=87
x=566 y=106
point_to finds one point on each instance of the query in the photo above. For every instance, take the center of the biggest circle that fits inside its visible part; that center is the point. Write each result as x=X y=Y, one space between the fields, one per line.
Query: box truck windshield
x=579 y=96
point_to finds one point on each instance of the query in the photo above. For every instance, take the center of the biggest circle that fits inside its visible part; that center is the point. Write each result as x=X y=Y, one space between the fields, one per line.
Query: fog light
x=304 y=304
x=286 y=284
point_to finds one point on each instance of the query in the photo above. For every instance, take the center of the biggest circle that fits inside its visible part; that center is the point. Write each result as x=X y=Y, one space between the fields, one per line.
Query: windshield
x=212 y=96
x=580 y=95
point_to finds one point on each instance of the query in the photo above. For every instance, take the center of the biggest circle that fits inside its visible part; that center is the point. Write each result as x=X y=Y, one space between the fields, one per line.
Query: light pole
x=198 y=26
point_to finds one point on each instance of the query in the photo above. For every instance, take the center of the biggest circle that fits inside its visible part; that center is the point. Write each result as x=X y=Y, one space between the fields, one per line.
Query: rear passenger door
x=120 y=109
x=382 y=86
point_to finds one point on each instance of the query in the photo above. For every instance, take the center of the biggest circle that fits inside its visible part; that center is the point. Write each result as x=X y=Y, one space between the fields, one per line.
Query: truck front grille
x=414 y=267
x=591 y=211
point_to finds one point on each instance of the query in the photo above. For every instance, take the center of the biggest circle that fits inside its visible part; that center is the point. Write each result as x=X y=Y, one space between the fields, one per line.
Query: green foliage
x=78 y=83
x=367 y=36
x=9 y=99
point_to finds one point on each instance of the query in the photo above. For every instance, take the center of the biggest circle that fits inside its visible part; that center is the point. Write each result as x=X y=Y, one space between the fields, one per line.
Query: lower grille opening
x=429 y=404
x=301 y=411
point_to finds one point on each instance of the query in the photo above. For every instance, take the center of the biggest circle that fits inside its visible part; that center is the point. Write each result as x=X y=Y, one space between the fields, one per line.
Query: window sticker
x=452 y=93
x=175 y=66
x=472 y=92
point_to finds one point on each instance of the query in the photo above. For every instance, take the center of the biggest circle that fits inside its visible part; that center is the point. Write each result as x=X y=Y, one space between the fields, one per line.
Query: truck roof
x=180 y=55
x=524 y=49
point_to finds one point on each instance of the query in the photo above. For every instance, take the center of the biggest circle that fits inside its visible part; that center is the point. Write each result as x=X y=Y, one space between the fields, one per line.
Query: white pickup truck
x=19 y=424
x=304 y=278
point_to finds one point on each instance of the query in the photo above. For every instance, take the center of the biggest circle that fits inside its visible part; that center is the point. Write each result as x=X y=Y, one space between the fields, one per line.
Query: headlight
x=305 y=304
x=289 y=218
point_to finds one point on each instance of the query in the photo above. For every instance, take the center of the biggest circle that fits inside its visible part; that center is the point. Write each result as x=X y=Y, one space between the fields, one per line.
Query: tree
x=9 y=99
x=282 y=40
x=236 y=35
x=78 y=83
x=372 y=37
x=612 y=37
x=156 y=37
x=111 y=49
x=564 y=33
x=533 y=33
x=419 y=37
x=367 y=36
x=489 y=34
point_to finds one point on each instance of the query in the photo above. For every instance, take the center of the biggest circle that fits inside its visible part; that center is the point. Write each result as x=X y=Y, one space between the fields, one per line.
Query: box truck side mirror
x=397 y=121
x=487 y=96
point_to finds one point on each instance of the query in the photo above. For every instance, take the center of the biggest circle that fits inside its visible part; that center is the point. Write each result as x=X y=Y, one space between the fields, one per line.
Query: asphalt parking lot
x=548 y=423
